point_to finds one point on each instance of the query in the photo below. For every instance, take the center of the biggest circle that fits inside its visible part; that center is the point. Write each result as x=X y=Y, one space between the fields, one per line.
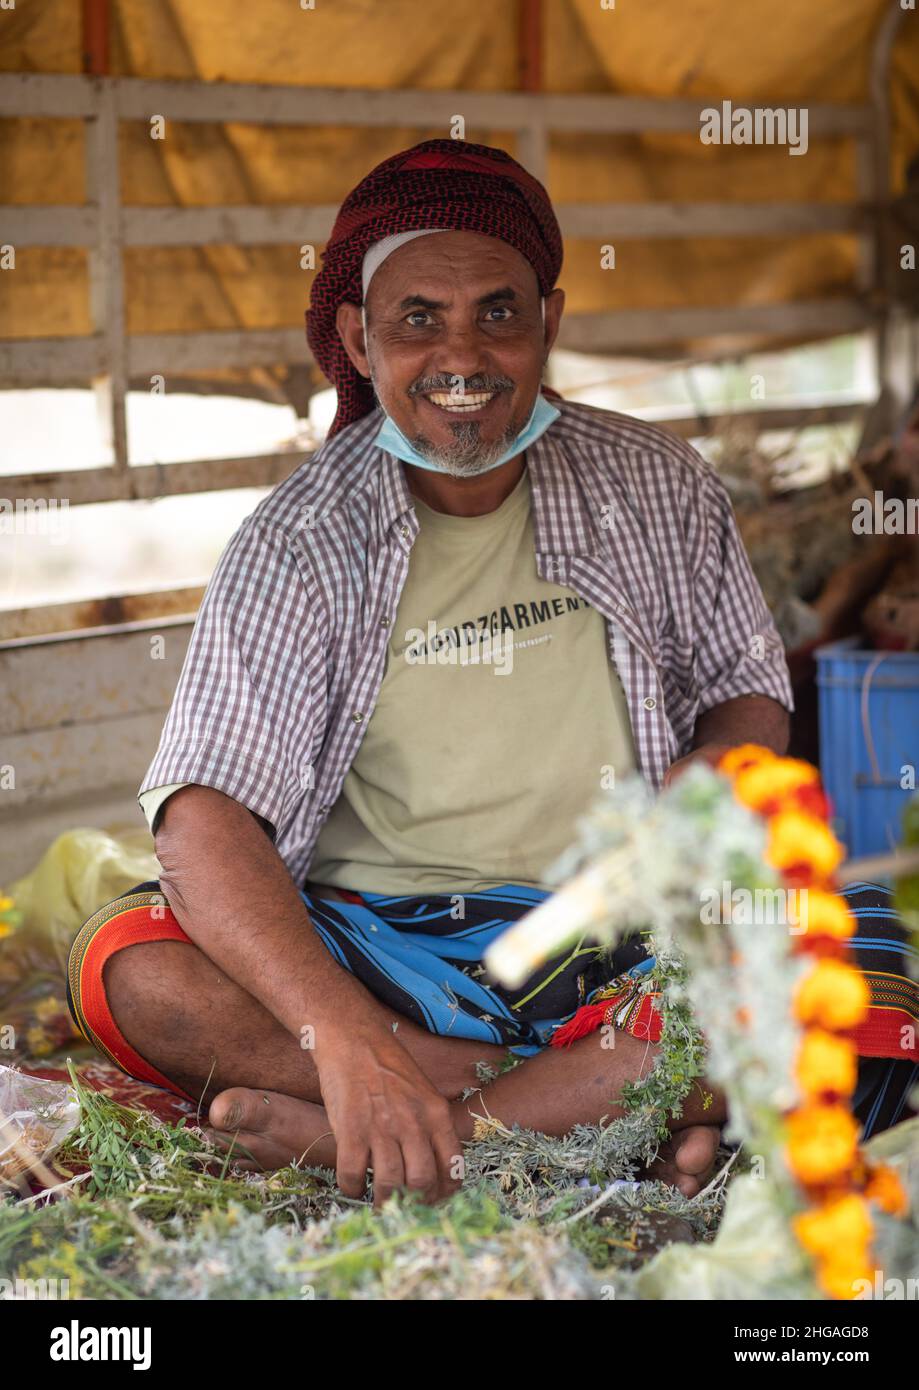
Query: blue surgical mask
x=391 y=438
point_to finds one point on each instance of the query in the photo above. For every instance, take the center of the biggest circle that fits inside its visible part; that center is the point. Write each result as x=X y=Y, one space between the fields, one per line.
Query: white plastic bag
x=36 y=1117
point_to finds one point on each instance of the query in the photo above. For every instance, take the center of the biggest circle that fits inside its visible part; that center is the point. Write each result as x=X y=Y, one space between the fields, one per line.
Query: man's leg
x=210 y=1037
x=205 y=1033
x=551 y=1093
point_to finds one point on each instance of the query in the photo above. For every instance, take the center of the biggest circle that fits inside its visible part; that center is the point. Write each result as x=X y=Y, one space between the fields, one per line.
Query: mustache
x=461 y=384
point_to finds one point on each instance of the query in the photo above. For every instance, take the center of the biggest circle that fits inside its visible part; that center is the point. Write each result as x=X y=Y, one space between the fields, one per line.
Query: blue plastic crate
x=869 y=732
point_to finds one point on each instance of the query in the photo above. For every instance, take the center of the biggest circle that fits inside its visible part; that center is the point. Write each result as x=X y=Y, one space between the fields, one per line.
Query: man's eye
x=502 y=309
x=417 y=314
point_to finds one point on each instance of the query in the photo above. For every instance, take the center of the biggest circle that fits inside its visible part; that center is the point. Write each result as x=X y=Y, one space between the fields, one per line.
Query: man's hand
x=385 y=1114
x=710 y=753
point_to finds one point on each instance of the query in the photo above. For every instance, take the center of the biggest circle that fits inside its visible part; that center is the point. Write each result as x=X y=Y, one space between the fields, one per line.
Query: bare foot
x=687 y=1159
x=268 y=1130
x=265 y=1129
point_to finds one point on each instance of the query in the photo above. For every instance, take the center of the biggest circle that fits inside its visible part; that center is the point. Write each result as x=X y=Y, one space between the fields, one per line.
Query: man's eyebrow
x=505 y=293
x=419 y=301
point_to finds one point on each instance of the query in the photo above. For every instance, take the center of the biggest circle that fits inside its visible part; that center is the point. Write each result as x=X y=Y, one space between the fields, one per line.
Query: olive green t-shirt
x=499 y=719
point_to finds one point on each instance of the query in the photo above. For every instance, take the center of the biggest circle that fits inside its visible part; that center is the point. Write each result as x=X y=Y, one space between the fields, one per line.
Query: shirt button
x=357 y=717
x=384 y=622
x=404 y=531
x=323 y=810
x=650 y=703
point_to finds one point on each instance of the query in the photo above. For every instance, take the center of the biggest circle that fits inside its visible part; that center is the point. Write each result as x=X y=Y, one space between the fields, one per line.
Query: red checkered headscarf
x=447 y=184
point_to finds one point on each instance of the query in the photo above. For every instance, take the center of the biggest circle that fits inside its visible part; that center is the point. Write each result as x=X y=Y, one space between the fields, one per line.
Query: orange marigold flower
x=819 y=913
x=822 y=1142
x=832 y=995
x=826 y=1064
x=765 y=786
x=812 y=800
x=840 y=1226
x=846 y=1278
x=887 y=1191
x=798 y=840
x=745 y=755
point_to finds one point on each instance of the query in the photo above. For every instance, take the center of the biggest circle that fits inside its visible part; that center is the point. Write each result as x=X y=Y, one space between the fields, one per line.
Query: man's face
x=455 y=345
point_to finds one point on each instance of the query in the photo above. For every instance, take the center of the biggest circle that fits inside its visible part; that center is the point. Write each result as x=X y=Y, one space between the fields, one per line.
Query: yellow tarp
x=758 y=52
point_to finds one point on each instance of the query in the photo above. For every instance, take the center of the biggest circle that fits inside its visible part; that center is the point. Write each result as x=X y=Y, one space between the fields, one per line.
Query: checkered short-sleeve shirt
x=289 y=647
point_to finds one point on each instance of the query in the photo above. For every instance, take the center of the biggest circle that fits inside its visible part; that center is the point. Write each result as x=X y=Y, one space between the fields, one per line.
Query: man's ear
x=555 y=304
x=351 y=331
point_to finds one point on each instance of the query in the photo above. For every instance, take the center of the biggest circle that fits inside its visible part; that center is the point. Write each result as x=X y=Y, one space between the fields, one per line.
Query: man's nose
x=462 y=350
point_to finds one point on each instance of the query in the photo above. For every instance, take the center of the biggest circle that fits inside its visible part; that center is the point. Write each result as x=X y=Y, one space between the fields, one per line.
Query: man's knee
x=151 y=982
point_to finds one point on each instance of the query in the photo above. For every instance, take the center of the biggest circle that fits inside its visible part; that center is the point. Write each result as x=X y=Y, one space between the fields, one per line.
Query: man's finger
x=353 y=1160
x=450 y=1163
x=388 y=1169
x=420 y=1165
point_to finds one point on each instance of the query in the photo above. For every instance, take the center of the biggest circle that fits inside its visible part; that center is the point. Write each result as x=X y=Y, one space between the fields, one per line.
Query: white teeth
x=473 y=400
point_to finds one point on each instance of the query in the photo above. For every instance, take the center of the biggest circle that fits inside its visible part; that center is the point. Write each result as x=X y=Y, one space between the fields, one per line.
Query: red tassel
x=588 y=1019
x=647 y=1023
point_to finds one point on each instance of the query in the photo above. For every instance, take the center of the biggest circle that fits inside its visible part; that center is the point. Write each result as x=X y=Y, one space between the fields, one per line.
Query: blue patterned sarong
x=423 y=957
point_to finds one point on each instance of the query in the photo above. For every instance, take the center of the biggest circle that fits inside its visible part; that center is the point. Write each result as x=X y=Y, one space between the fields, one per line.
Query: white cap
x=376 y=254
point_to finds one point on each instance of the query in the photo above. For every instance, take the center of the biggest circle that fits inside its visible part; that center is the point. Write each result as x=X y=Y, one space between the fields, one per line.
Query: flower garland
x=830 y=1000
x=765 y=1009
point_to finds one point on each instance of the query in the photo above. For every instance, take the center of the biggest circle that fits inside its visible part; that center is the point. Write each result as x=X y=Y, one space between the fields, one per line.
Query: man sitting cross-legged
x=374 y=1089
x=416 y=664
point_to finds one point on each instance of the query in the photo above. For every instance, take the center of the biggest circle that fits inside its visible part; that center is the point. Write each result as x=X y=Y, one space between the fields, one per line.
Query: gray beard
x=467 y=456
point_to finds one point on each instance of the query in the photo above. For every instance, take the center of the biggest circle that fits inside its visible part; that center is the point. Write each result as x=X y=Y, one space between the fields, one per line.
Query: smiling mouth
x=468 y=404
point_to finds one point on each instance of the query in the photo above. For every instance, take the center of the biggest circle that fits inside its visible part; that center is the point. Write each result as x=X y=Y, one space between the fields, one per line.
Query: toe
x=248 y=1152
x=240 y=1108
x=696 y=1149
x=689 y=1186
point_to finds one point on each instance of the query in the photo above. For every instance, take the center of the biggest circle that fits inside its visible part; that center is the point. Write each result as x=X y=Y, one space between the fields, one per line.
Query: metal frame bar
x=40 y=94
x=876 y=174
x=147 y=482
x=635 y=328
x=293 y=224
x=106 y=274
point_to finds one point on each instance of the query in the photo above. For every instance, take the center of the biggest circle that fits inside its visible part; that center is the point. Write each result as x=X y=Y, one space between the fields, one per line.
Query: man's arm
x=745 y=719
x=742 y=675
x=234 y=898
